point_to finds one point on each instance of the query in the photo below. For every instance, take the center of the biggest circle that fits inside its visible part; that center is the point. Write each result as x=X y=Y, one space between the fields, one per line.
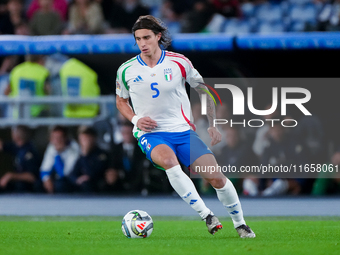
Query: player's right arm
x=145 y=124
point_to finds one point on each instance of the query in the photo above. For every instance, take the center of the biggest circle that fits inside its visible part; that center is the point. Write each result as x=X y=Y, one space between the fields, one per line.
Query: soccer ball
x=137 y=224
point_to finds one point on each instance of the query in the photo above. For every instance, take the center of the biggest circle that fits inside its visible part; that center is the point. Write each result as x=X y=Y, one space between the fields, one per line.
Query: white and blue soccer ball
x=137 y=224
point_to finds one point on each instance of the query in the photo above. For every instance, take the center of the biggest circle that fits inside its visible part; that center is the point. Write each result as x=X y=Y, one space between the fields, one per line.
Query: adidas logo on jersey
x=138 y=78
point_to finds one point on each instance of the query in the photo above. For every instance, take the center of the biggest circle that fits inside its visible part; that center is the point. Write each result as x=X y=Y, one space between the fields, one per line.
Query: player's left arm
x=195 y=80
x=214 y=133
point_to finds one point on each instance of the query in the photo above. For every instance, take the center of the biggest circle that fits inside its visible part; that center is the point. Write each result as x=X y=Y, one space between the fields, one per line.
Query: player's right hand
x=146 y=124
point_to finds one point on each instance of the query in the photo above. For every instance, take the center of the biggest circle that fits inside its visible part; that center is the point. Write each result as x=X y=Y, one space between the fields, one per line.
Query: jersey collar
x=160 y=61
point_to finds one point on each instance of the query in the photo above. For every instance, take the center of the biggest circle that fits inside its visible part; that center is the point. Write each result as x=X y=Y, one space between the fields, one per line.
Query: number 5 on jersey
x=155 y=89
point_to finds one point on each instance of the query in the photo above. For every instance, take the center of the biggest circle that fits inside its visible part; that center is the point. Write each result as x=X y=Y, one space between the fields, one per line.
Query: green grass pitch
x=171 y=235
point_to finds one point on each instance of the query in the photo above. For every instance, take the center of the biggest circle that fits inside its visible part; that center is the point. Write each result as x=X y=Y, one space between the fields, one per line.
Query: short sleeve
x=192 y=76
x=122 y=89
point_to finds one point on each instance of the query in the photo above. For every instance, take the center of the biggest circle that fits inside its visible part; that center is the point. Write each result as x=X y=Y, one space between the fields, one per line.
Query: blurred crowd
x=106 y=158
x=57 y=17
x=90 y=161
x=103 y=158
x=275 y=145
x=80 y=164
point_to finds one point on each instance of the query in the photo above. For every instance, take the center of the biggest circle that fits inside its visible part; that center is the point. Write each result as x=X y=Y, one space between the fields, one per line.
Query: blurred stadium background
x=222 y=38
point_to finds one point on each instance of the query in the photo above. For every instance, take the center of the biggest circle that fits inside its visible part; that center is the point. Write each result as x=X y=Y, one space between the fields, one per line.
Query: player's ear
x=135 y=39
x=159 y=36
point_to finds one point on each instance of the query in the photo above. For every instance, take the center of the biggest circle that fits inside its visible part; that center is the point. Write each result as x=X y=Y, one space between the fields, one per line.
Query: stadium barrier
x=290 y=41
x=110 y=44
x=102 y=44
x=106 y=103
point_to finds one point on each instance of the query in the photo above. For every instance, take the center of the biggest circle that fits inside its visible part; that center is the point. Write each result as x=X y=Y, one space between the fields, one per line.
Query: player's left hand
x=146 y=124
x=215 y=135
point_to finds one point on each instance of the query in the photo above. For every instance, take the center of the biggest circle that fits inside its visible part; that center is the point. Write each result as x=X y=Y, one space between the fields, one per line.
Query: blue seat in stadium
x=296 y=26
x=216 y=24
x=305 y=13
x=300 y=2
x=174 y=27
x=247 y=10
x=300 y=15
x=267 y=27
x=237 y=27
x=268 y=12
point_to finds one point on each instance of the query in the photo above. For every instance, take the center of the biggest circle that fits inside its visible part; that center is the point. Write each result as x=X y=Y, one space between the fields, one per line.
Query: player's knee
x=169 y=163
x=217 y=183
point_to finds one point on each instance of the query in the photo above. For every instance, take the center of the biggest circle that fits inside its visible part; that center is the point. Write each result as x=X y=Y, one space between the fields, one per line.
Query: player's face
x=147 y=41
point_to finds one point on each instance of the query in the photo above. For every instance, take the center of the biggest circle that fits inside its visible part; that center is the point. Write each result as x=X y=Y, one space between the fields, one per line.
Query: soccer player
x=155 y=82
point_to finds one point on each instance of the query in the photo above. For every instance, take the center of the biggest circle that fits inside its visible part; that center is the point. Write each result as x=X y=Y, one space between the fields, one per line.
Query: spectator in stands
x=237 y=152
x=79 y=80
x=228 y=8
x=60 y=6
x=12 y=22
x=170 y=17
x=29 y=79
x=328 y=182
x=14 y=17
x=262 y=134
x=3 y=8
x=283 y=150
x=329 y=15
x=129 y=161
x=90 y=167
x=59 y=160
x=125 y=13
x=46 y=21
x=22 y=29
x=196 y=20
x=106 y=6
x=310 y=134
x=25 y=176
x=7 y=64
x=85 y=17
x=181 y=7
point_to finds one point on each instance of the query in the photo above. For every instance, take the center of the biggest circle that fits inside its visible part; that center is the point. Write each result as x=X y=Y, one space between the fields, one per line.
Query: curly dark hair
x=156 y=26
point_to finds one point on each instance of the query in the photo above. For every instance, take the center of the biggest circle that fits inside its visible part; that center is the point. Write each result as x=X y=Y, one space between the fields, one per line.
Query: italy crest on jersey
x=168 y=74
